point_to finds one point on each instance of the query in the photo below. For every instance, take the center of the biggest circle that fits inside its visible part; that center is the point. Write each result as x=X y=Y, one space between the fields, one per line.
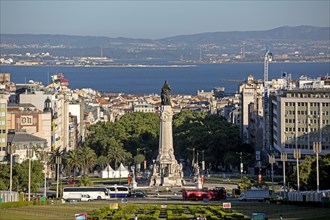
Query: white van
x=260 y=195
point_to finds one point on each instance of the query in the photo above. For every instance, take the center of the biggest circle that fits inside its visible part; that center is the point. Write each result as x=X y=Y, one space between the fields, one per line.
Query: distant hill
x=308 y=40
x=281 y=33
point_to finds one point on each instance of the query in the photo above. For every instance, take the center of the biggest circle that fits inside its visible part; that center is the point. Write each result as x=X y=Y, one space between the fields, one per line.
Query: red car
x=218 y=193
x=71 y=182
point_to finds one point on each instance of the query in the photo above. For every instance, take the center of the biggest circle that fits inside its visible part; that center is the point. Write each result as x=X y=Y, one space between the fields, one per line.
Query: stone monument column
x=166 y=170
x=165 y=135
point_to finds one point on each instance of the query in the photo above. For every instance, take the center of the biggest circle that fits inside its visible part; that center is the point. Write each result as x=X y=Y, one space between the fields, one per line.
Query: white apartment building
x=142 y=106
x=60 y=114
x=251 y=92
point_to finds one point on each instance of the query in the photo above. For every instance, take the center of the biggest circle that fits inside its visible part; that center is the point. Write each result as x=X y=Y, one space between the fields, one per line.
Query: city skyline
x=158 y=19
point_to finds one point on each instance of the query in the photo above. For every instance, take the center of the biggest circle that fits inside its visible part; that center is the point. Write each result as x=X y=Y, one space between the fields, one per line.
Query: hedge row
x=173 y=212
x=6 y=205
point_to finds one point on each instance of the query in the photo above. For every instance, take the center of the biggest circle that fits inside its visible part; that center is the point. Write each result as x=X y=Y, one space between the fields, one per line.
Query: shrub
x=15 y=204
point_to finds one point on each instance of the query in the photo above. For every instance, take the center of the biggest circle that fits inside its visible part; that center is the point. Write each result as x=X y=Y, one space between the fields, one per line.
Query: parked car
x=71 y=182
x=139 y=194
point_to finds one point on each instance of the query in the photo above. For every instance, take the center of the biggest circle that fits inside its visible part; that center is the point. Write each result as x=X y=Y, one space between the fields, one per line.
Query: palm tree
x=52 y=158
x=87 y=157
x=73 y=161
x=118 y=155
x=102 y=161
x=85 y=181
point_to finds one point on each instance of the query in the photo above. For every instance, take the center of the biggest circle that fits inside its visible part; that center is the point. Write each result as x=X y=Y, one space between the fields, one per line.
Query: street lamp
x=284 y=158
x=241 y=164
x=197 y=155
x=317 y=148
x=29 y=155
x=58 y=161
x=203 y=161
x=138 y=165
x=271 y=159
x=145 y=158
x=11 y=150
x=297 y=156
x=193 y=159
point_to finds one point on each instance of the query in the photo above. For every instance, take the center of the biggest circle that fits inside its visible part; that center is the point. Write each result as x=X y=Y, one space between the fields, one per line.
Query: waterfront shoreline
x=142 y=65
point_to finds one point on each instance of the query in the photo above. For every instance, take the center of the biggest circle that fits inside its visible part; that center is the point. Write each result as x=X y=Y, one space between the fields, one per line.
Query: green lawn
x=67 y=210
x=59 y=211
x=273 y=211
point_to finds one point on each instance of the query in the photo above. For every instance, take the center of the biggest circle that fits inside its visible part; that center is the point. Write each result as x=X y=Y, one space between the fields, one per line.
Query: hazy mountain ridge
x=282 y=33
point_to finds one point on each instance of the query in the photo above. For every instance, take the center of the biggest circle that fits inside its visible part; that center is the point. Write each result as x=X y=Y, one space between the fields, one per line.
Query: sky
x=155 y=19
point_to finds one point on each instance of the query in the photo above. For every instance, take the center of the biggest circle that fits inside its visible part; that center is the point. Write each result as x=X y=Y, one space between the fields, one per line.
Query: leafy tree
x=21 y=171
x=212 y=133
x=244 y=184
x=102 y=161
x=4 y=176
x=218 y=138
x=3 y=186
x=305 y=168
x=324 y=173
x=132 y=130
x=139 y=158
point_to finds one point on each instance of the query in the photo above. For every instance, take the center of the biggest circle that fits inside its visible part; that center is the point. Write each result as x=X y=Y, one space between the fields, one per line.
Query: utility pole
x=297 y=156
x=241 y=165
x=272 y=161
x=11 y=150
x=45 y=158
x=29 y=155
x=284 y=158
x=317 y=148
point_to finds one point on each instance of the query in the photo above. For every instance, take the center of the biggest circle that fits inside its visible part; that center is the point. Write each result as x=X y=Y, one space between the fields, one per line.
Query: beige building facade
x=300 y=118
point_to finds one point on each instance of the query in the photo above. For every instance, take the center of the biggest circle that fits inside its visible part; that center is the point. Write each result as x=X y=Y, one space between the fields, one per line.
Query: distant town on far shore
x=288 y=44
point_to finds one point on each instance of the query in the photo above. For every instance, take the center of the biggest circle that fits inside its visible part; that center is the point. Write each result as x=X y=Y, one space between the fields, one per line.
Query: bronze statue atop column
x=165 y=94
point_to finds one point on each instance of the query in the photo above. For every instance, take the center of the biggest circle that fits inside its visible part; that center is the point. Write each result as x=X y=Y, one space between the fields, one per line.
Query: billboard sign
x=80 y=217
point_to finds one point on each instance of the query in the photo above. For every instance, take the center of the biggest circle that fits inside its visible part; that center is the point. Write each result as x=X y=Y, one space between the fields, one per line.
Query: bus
x=94 y=192
x=119 y=191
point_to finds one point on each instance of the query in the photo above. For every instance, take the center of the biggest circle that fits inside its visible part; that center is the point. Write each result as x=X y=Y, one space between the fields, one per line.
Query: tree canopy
x=307 y=173
x=119 y=140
